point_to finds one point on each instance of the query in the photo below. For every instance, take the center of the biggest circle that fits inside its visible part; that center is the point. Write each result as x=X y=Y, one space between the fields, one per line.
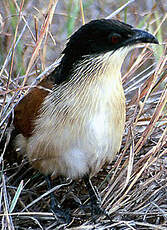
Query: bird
x=76 y=126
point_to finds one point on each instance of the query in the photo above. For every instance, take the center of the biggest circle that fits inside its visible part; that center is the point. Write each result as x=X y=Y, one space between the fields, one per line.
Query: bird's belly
x=76 y=152
x=75 y=147
x=89 y=150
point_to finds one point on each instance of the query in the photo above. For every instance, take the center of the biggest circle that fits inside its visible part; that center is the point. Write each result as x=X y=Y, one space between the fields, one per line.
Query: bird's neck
x=97 y=73
x=94 y=82
x=71 y=64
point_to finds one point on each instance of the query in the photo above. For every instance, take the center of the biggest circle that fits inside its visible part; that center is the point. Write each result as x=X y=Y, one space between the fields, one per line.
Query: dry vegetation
x=134 y=187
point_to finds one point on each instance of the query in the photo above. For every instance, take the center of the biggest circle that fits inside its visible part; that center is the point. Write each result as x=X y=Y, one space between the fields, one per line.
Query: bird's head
x=99 y=37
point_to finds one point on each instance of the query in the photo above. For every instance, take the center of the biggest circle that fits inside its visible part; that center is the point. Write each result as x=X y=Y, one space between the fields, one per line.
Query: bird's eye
x=115 y=38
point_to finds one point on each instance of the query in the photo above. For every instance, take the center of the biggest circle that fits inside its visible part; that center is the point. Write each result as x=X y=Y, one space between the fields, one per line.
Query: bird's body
x=88 y=116
x=78 y=126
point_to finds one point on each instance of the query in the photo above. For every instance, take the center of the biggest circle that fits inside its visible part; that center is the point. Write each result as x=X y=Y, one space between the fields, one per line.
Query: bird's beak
x=141 y=36
x=144 y=37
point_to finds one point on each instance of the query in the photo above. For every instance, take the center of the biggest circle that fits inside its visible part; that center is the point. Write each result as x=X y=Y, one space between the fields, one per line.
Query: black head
x=98 y=37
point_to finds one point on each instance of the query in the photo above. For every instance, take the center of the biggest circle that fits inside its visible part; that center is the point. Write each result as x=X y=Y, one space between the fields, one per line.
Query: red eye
x=115 y=39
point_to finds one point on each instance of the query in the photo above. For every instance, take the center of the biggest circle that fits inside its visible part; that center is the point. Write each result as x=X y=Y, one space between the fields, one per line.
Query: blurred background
x=33 y=34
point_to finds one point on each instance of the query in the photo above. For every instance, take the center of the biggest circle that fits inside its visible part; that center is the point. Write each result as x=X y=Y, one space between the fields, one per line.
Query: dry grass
x=133 y=188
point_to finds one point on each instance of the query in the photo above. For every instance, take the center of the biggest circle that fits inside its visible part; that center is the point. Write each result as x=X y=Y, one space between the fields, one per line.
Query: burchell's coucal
x=77 y=127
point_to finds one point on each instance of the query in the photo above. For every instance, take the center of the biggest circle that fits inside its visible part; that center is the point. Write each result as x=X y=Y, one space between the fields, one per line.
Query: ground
x=133 y=187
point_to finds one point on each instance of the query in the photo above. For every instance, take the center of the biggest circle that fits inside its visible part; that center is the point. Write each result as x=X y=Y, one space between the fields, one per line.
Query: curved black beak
x=144 y=37
x=141 y=36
